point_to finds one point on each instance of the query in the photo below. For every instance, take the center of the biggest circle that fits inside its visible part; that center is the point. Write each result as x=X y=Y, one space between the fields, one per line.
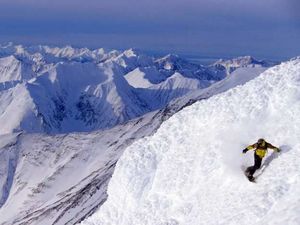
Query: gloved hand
x=278 y=150
x=245 y=150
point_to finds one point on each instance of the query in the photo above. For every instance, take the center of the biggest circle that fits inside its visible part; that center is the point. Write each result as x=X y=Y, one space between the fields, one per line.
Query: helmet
x=260 y=141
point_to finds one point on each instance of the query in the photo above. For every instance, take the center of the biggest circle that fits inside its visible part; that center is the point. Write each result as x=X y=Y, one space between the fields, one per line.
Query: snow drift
x=189 y=171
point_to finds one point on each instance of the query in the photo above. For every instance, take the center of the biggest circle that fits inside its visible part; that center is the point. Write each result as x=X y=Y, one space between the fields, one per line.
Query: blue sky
x=216 y=28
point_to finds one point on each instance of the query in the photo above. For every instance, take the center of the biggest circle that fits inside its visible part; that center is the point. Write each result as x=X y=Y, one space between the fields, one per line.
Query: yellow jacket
x=261 y=149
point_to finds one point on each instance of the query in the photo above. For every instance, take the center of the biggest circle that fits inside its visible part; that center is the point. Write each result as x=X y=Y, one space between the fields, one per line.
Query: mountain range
x=60 y=90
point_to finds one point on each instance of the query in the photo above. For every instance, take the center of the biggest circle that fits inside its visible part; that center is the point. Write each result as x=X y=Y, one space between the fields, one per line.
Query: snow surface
x=144 y=77
x=189 y=171
x=12 y=69
x=62 y=178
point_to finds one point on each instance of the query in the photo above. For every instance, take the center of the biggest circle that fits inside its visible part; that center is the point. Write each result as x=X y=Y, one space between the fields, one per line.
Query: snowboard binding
x=250 y=177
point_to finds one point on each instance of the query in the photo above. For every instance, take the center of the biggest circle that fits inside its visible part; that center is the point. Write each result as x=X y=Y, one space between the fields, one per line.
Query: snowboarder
x=260 y=150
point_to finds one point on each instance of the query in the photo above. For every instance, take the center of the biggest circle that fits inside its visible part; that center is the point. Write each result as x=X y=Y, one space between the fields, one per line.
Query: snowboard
x=266 y=163
x=251 y=179
x=260 y=171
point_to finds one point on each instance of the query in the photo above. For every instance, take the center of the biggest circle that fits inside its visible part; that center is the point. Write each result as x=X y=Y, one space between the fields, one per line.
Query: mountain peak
x=243 y=61
x=131 y=52
x=239 y=61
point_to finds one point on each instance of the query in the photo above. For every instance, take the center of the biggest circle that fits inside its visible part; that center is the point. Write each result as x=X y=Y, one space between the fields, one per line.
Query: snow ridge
x=188 y=172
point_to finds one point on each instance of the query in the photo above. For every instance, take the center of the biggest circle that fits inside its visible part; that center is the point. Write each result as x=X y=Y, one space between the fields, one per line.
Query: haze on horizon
x=269 y=28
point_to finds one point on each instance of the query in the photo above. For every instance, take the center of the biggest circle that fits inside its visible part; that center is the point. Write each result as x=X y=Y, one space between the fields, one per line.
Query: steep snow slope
x=29 y=195
x=189 y=172
x=61 y=179
x=238 y=77
x=12 y=69
x=18 y=110
x=173 y=87
x=144 y=77
x=70 y=97
x=131 y=59
x=82 y=97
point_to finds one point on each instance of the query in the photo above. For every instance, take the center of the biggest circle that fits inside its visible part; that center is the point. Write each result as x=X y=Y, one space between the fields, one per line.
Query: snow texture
x=189 y=171
x=61 y=179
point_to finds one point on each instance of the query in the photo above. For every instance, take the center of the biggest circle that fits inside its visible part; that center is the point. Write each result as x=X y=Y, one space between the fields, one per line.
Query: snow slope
x=12 y=69
x=238 y=77
x=61 y=179
x=144 y=77
x=189 y=172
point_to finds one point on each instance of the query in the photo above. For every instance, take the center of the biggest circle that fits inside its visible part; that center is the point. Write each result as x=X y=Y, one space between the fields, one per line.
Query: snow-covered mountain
x=189 y=171
x=59 y=90
x=119 y=97
x=245 y=61
x=62 y=179
x=12 y=69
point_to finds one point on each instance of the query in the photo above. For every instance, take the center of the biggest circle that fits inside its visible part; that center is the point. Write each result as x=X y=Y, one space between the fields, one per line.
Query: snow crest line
x=188 y=172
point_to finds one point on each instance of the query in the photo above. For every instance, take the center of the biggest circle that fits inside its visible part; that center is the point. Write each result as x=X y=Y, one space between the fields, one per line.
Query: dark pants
x=257 y=163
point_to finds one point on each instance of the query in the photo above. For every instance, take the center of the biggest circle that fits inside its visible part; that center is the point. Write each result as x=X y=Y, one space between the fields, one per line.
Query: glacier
x=189 y=171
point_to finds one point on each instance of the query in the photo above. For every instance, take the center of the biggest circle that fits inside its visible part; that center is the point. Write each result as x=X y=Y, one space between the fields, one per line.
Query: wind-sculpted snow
x=189 y=171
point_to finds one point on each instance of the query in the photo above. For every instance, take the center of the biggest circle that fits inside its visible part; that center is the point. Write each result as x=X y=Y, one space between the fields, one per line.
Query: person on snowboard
x=260 y=150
